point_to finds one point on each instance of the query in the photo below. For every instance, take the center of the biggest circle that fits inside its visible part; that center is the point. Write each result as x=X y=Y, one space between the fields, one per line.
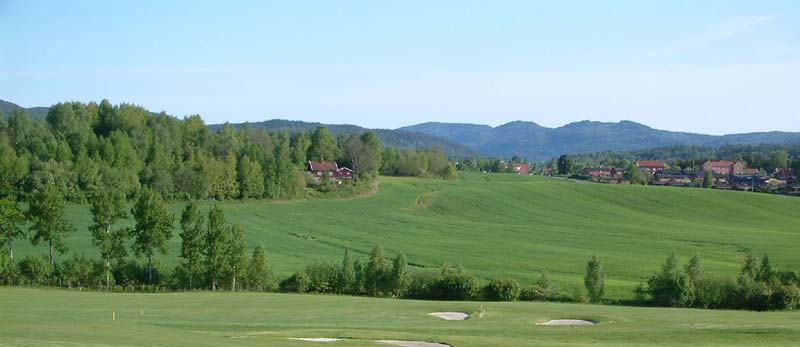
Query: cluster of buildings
x=725 y=175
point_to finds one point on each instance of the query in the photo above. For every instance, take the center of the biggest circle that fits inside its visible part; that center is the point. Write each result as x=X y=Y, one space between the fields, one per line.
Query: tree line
x=213 y=252
x=83 y=148
x=682 y=157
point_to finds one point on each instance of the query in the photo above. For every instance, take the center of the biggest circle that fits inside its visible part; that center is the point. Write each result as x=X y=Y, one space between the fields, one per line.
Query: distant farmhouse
x=521 y=168
x=651 y=166
x=320 y=168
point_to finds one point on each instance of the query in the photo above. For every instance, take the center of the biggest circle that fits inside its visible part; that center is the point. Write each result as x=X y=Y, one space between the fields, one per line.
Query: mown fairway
x=502 y=225
x=32 y=317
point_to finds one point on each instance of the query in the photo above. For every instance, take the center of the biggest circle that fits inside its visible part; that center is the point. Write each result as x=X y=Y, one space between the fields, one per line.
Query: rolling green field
x=503 y=225
x=46 y=317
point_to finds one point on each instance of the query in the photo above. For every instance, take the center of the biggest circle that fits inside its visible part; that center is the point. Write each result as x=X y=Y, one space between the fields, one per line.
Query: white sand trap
x=450 y=315
x=567 y=322
x=412 y=343
x=315 y=339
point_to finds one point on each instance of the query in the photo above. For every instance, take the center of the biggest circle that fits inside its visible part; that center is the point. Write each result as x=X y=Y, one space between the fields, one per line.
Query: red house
x=318 y=168
x=651 y=166
x=521 y=168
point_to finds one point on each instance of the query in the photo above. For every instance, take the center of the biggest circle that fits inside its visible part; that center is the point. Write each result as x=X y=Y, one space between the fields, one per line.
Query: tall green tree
x=192 y=240
x=236 y=254
x=564 y=164
x=693 y=269
x=347 y=274
x=708 y=179
x=153 y=227
x=217 y=239
x=671 y=286
x=13 y=169
x=251 y=178
x=594 y=281
x=108 y=207
x=258 y=271
x=398 y=278
x=46 y=213
x=11 y=222
x=323 y=145
x=375 y=273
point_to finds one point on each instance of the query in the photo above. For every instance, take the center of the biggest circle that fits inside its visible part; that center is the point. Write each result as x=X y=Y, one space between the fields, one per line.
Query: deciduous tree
x=153 y=227
x=108 y=207
x=594 y=280
x=46 y=213
x=192 y=240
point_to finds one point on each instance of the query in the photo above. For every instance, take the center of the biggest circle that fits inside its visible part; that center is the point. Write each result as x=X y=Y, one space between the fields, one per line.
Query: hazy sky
x=702 y=66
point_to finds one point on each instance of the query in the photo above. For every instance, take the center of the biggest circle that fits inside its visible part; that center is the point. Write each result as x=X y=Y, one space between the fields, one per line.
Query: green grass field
x=48 y=317
x=503 y=225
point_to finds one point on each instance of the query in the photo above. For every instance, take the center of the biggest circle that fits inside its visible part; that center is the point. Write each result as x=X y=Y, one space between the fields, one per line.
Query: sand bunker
x=412 y=343
x=450 y=315
x=567 y=322
x=315 y=339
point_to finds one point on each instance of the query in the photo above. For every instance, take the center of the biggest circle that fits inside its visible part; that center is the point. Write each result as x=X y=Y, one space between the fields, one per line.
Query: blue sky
x=702 y=66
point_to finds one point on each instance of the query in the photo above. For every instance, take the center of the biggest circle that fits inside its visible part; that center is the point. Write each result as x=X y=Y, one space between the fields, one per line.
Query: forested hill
x=400 y=139
x=528 y=139
x=38 y=113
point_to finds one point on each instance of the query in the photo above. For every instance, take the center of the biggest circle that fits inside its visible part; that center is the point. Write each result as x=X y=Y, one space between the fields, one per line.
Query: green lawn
x=52 y=317
x=503 y=225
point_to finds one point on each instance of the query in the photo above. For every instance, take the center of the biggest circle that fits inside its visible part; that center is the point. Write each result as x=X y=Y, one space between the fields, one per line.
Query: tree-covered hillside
x=80 y=149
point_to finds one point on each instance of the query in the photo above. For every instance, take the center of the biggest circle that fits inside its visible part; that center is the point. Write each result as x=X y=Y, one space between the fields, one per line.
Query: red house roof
x=721 y=163
x=322 y=165
x=651 y=163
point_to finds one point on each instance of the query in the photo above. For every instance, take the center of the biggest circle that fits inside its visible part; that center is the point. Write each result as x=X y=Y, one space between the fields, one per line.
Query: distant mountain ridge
x=35 y=112
x=531 y=140
x=399 y=139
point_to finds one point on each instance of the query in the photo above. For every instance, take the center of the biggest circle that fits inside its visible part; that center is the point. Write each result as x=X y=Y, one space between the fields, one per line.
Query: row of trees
x=418 y=163
x=757 y=287
x=213 y=251
x=82 y=148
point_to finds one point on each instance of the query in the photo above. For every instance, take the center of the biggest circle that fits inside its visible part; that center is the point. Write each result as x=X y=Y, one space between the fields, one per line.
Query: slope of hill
x=35 y=112
x=535 y=142
x=392 y=138
x=505 y=225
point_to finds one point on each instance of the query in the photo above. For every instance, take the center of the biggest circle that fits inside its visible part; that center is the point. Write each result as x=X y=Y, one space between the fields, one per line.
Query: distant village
x=732 y=175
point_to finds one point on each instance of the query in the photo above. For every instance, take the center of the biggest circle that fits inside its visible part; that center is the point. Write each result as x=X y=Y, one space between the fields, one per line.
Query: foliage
x=594 y=280
x=153 y=227
x=193 y=239
x=502 y=290
x=36 y=270
x=46 y=213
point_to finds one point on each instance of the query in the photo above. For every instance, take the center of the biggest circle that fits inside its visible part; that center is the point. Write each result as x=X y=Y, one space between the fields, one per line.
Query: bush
x=541 y=290
x=36 y=270
x=502 y=290
x=79 y=271
x=8 y=269
x=456 y=286
x=299 y=283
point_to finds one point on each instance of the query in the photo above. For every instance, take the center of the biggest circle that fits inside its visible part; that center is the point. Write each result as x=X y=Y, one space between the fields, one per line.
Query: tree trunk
x=213 y=283
x=233 y=282
x=10 y=250
x=150 y=268
x=108 y=260
x=52 y=260
x=108 y=274
x=190 y=281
